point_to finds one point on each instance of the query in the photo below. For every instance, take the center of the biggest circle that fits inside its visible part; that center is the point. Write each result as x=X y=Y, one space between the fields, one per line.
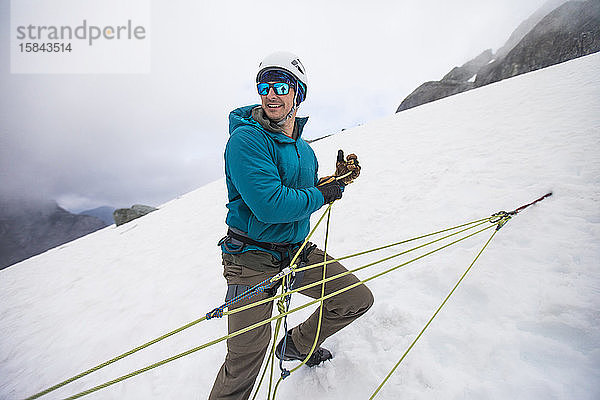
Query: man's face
x=277 y=106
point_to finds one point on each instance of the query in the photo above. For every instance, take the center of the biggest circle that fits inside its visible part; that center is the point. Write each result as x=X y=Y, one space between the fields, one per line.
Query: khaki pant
x=245 y=352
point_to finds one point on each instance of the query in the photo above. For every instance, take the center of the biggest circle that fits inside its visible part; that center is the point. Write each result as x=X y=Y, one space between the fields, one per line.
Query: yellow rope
x=255 y=304
x=435 y=314
x=498 y=220
x=271 y=355
x=314 y=345
x=269 y=320
x=324 y=263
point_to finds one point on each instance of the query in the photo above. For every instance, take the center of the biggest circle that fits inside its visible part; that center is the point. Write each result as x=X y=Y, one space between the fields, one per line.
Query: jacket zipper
x=299 y=163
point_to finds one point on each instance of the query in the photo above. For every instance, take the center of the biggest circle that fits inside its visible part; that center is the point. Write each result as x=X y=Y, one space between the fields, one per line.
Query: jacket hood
x=243 y=117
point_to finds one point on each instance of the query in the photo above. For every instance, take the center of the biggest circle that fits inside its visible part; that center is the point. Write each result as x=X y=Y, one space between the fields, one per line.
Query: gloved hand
x=348 y=168
x=331 y=190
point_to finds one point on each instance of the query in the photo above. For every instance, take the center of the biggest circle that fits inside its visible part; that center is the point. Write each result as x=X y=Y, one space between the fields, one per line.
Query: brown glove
x=347 y=170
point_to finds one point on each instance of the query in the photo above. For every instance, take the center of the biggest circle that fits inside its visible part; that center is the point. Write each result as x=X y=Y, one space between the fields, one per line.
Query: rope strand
x=431 y=319
x=266 y=321
x=498 y=220
x=316 y=340
x=193 y=323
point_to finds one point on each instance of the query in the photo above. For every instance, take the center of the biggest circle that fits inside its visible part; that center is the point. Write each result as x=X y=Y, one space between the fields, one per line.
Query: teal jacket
x=270 y=181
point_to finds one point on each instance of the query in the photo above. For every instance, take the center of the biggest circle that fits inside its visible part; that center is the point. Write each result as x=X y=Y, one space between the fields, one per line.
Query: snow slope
x=523 y=325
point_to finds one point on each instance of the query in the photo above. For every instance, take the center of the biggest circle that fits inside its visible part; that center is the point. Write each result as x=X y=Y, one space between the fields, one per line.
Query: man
x=271 y=177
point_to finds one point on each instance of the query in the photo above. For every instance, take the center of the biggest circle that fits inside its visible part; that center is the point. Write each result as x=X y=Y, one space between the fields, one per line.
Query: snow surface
x=523 y=325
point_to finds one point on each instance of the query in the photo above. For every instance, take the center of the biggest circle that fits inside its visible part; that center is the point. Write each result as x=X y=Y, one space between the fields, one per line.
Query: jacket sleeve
x=256 y=177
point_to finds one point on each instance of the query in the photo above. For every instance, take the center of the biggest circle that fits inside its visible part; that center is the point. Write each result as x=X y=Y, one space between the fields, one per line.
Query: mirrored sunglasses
x=280 y=88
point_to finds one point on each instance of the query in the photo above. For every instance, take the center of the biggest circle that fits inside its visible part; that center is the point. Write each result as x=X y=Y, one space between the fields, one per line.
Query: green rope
x=160 y=363
x=145 y=345
x=255 y=304
x=180 y=329
x=154 y=341
x=503 y=221
x=498 y=223
x=271 y=355
x=316 y=340
x=115 y=359
x=281 y=309
x=327 y=211
x=269 y=320
x=395 y=244
x=180 y=355
x=347 y=273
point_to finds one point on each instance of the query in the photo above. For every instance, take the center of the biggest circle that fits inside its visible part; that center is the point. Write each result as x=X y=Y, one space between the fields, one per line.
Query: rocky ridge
x=557 y=34
x=28 y=228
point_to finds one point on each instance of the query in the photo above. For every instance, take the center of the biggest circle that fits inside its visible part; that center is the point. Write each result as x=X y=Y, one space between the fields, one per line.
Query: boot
x=291 y=352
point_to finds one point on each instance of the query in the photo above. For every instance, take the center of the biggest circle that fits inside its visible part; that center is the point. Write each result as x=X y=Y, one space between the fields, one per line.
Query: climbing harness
x=282 y=248
x=290 y=276
x=269 y=284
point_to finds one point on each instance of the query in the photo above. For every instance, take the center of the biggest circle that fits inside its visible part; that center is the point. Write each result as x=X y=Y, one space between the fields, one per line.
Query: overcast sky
x=87 y=140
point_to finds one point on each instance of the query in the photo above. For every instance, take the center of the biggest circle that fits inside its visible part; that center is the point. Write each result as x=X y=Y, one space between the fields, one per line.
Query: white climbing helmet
x=284 y=60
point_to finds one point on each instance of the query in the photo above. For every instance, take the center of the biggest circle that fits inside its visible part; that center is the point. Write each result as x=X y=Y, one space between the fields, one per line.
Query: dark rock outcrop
x=550 y=36
x=469 y=69
x=432 y=91
x=456 y=81
x=125 y=215
x=526 y=26
x=570 y=31
x=28 y=228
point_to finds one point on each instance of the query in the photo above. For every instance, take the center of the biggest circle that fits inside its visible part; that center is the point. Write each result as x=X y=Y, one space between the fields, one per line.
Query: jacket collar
x=243 y=116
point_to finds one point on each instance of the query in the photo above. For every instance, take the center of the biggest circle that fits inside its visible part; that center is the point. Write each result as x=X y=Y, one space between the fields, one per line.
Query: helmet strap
x=292 y=110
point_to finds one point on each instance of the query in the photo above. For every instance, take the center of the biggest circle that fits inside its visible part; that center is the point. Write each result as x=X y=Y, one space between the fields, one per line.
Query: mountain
x=456 y=81
x=104 y=213
x=522 y=325
x=556 y=32
x=570 y=31
x=28 y=228
x=526 y=26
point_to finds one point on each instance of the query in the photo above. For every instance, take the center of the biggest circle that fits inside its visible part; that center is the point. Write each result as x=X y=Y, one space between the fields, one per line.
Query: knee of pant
x=355 y=303
x=367 y=298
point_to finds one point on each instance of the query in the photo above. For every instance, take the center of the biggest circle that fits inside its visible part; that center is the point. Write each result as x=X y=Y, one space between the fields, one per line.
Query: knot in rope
x=216 y=313
x=281 y=306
